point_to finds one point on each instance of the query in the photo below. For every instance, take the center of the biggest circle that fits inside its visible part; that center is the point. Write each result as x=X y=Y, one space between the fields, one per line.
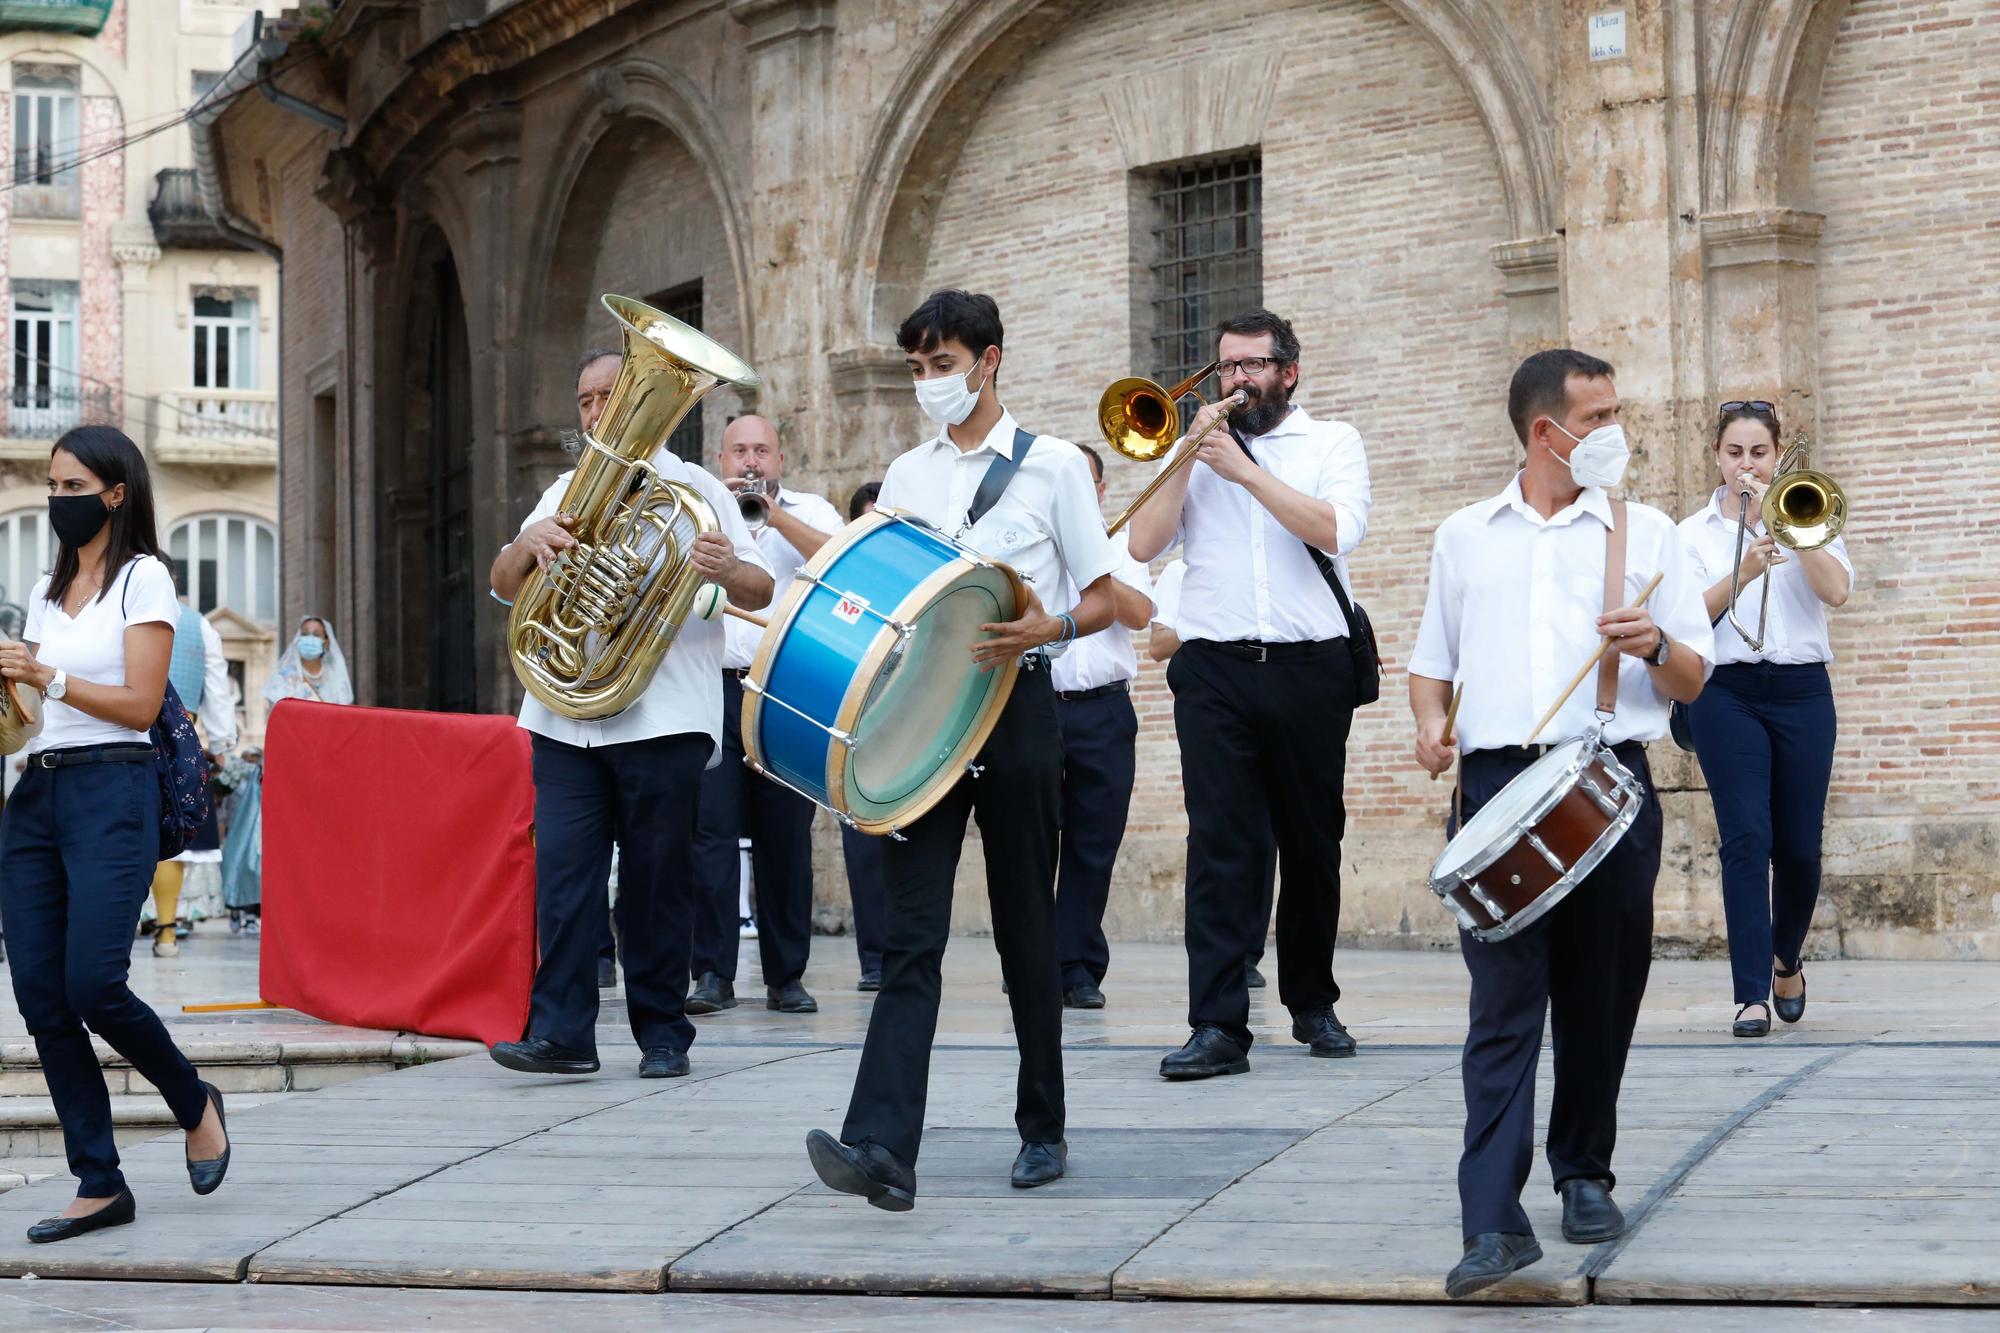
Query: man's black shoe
x=607 y=974
x=1083 y=995
x=871 y=980
x=537 y=1055
x=712 y=996
x=865 y=1168
x=1319 y=1029
x=1208 y=1052
x=790 y=998
x=1589 y=1215
x=1253 y=976
x=1039 y=1163
x=662 y=1062
x=1490 y=1257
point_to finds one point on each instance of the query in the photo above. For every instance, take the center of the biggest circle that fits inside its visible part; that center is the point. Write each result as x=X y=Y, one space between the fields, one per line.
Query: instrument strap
x=998 y=473
x=1614 y=598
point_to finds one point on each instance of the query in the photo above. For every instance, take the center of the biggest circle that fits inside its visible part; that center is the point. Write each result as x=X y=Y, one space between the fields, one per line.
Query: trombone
x=1141 y=421
x=1803 y=510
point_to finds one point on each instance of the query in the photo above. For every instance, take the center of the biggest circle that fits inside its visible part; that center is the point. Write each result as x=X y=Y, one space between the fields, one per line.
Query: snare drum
x=863 y=696
x=1525 y=849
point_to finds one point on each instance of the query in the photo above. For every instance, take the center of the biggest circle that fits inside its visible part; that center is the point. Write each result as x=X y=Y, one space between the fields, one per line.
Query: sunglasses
x=1757 y=405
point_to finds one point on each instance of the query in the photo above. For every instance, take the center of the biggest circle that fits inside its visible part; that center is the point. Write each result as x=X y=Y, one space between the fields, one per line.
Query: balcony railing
x=35 y=413
x=218 y=426
x=79 y=16
x=178 y=216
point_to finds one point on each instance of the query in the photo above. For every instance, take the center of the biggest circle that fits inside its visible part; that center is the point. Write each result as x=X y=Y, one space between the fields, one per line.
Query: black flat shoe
x=1489 y=1257
x=538 y=1055
x=790 y=998
x=1208 y=1052
x=206 y=1177
x=870 y=981
x=1320 y=1030
x=1589 y=1215
x=1252 y=977
x=1794 y=1009
x=663 y=1062
x=607 y=974
x=122 y=1209
x=1759 y=1026
x=1083 y=995
x=712 y=996
x=1039 y=1163
x=866 y=1169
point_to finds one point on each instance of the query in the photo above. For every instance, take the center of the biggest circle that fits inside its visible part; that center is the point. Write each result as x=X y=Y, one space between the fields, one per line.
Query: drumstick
x=1450 y=716
x=1584 y=670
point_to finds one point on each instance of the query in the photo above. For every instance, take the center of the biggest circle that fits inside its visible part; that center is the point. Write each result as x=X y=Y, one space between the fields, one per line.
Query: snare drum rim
x=1614 y=833
x=1536 y=814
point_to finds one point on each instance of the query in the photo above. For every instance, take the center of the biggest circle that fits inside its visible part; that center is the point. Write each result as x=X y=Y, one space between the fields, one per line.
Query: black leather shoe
x=790 y=998
x=712 y=996
x=1490 y=1257
x=1083 y=995
x=607 y=974
x=206 y=1177
x=662 y=1062
x=870 y=981
x=1791 y=1010
x=1589 y=1215
x=538 y=1055
x=1253 y=977
x=1320 y=1030
x=122 y=1209
x=865 y=1168
x=1760 y=1026
x=1039 y=1163
x=1208 y=1052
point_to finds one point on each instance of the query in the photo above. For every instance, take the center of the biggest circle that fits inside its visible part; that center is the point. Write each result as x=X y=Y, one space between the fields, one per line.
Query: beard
x=1263 y=410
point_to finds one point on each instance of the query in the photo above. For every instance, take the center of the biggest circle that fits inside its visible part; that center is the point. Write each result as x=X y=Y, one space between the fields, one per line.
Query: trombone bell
x=1804 y=510
x=1140 y=419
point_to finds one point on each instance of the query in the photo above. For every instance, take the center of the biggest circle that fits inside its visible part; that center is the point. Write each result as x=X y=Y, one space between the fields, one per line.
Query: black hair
x=1096 y=463
x=864 y=494
x=1541 y=385
x=972 y=318
x=110 y=456
x=592 y=355
x=1769 y=420
x=1249 y=323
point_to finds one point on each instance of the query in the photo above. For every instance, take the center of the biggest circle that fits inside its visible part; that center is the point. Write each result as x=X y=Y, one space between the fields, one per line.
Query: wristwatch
x=1664 y=651
x=58 y=685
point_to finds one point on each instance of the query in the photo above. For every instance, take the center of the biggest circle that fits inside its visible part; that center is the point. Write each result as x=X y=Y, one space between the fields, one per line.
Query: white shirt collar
x=1296 y=422
x=1000 y=439
x=1714 y=513
x=1591 y=500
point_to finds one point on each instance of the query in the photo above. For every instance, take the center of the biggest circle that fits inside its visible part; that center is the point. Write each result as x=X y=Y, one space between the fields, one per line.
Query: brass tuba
x=587 y=633
x=1803 y=510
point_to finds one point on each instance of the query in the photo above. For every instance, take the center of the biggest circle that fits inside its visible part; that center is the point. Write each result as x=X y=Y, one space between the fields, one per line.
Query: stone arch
x=1766 y=100
x=978 y=43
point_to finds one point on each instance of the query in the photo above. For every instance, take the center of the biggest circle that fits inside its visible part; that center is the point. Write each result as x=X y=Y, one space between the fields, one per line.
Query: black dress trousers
x=1098 y=736
x=865 y=878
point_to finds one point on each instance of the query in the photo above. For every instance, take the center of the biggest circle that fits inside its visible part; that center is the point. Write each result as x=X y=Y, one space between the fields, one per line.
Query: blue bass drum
x=863 y=696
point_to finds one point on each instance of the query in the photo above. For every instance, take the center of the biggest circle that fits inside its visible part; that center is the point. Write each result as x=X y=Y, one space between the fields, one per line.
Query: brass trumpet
x=1141 y=420
x=1803 y=510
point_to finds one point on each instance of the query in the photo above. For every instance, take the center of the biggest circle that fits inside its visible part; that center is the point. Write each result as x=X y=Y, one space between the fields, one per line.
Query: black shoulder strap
x=1319 y=558
x=998 y=473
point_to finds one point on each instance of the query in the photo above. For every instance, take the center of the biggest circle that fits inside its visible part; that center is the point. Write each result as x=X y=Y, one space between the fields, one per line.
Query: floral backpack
x=179 y=765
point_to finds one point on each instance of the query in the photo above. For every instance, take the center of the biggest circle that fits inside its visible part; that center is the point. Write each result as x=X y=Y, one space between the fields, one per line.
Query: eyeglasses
x=1757 y=405
x=1249 y=365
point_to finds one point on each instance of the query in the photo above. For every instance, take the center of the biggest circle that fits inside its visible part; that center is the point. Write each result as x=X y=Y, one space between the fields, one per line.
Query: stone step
x=246 y=1066
x=18 y=1171
x=29 y=1128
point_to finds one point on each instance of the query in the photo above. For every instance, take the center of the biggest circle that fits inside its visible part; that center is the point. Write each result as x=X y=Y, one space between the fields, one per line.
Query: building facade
x=1785 y=199
x=127 y=306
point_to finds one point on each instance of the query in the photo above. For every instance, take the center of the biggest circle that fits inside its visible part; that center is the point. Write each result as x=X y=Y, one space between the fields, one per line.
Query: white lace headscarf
x=290 y=681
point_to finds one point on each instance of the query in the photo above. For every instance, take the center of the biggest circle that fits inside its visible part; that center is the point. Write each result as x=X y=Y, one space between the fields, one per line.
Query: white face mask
x=1599 y=458
x=947 y=399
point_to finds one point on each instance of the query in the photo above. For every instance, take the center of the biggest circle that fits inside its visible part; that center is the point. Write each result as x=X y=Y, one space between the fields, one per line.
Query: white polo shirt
x=1512 y=612
x=1248 y=577
x=740 y=636
x=1107 y=656
x=685 y=694
x=92 y=647
x=1796 y=632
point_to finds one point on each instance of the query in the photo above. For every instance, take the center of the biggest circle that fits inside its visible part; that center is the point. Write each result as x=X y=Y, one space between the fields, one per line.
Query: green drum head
x=921 y=718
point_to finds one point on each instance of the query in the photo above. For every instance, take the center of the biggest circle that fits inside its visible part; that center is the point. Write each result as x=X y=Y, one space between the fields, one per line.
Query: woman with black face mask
x=79 y=839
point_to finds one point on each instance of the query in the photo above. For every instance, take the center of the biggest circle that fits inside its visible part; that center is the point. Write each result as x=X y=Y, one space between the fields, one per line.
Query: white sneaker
x=746 y=929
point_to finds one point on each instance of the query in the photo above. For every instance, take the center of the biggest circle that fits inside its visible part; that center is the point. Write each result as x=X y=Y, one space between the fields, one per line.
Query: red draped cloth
x=399 y=869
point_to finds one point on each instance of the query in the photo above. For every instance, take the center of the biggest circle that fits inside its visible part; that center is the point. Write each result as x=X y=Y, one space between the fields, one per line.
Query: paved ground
x=1853 y=1159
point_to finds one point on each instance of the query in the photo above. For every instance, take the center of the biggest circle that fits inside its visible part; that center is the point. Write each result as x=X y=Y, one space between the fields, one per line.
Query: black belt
x=125 y=752
x=1255 y=650
x=1096 y=692
x=1530 y=753
x=738 y=672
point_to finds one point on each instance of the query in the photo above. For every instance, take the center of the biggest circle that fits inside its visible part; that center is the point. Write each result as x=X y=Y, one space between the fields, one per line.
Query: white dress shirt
x=1106 y=656
x=1513 y=607
x=1046 y=524
x=1248 y=577
x=217 y=713
x=685 y=694
x=1796 y=632
x=740 y=636
x=1167 y=594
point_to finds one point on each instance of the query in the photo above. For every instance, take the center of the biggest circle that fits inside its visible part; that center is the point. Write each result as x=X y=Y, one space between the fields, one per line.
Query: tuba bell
x=587 y=633
x=1803 y=510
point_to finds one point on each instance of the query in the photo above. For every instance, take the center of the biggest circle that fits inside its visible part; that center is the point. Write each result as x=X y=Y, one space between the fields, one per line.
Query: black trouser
x=1584 y=964
x=1263 y=756
x=1764 y=734
x=1098 y=734
x=735 y=804
x=641 y=795
x=607 y=946
x=1017 y=799
x=78 y=846
x=1270 y=894
x=866 y=889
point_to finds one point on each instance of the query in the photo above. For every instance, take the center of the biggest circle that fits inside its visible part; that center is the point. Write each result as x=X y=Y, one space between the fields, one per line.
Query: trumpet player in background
x=1764 y=728
x=788 y=527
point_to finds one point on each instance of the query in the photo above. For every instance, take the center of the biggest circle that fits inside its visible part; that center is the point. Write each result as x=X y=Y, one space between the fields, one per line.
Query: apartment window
x=27 y=551
x=1208 y=257
x=44 y=397
x=231 y=560
x=684 y=304
x=45 y=140
x=225 y=338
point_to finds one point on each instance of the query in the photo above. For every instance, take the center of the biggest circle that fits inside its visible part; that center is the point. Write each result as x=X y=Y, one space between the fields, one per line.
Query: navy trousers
x=867 y=890
x=736 y=804
x=1584 y=966
x=1098 y=735
x=641 y=795
x=1764 y=735
x=77 y=851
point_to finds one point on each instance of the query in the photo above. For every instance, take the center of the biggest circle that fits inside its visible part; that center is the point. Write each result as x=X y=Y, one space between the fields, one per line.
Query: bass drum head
x=927 y=707
x=1501 y=820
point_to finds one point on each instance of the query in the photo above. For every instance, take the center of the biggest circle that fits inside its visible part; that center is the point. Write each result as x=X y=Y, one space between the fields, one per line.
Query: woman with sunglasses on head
x=1764 y=727
x=81 y=835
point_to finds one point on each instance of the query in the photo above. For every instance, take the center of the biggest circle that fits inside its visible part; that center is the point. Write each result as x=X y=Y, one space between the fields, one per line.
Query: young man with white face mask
x=1044 y=522
x=1517 y=602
